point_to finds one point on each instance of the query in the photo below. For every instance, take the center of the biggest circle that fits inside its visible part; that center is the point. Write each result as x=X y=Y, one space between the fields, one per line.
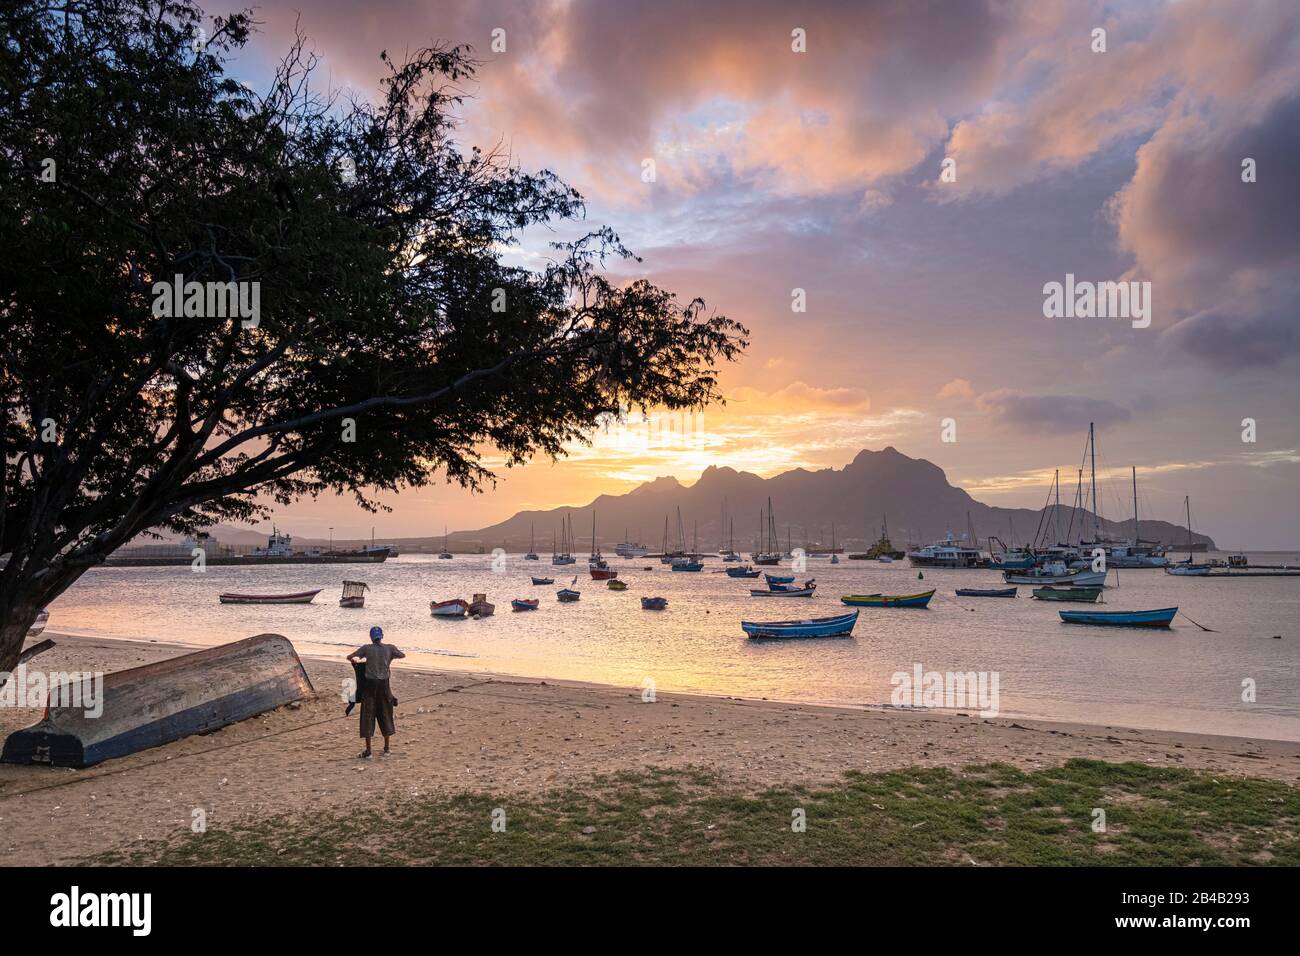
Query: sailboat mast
x=1092 y=449
x=1135 y=506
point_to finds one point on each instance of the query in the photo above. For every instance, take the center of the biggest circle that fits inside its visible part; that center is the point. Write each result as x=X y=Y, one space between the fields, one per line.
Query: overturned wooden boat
x=654 y=603
x=354 y=594
x=155 y=704
x=298 y=597
x=888 y=600
x=1158 y=618
x=838 y=626
x=525 y=604
x=987 y=592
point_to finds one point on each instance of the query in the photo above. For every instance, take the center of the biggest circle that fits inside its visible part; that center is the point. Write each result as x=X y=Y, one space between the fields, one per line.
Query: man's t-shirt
x=377 y=657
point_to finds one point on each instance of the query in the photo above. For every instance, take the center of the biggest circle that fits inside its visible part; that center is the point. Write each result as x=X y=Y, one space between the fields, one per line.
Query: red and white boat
x=298 y=597
x=456 y=607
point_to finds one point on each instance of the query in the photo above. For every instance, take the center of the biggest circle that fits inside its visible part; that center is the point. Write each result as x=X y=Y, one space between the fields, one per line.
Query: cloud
x=1048 y=413
x=1223 y=253
x=798 y=397
x=957 y=388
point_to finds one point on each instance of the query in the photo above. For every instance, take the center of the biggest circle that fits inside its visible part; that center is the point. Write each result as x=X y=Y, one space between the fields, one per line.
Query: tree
x=376 y=306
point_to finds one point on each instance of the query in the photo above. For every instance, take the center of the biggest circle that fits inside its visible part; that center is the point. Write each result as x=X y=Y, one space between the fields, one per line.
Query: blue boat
x=838 y=626
x=745 y=572
x=1160 y=618
x=687 y=565
x=779 y=578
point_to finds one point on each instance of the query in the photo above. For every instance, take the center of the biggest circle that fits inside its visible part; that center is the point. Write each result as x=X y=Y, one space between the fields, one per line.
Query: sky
x=916 y=173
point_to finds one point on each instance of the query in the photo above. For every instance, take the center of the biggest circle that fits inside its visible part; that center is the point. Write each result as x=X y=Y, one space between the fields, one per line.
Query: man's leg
x=366 y=752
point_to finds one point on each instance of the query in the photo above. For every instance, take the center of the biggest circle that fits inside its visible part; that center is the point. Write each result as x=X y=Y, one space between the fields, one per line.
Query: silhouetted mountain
x=915 y=495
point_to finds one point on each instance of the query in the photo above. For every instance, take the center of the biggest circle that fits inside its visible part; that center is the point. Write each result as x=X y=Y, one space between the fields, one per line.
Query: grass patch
x=989 y=814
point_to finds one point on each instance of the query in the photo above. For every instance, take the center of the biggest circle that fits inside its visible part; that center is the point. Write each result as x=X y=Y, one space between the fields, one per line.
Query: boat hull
x=1158 y=618
x=1073 y=578
x=521 y=605
x=840 y=625
x=568 y=595
x=456 y=607
x=987 y=592
x=301 y=597
x=540 y=581
x=654 y=603
x=147 y=706
x=782 y=591
x=603 y=574
x=1080 y=595
x=888 y=600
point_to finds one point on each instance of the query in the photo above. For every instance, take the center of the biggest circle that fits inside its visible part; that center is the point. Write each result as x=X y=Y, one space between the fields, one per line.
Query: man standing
x=376 y=698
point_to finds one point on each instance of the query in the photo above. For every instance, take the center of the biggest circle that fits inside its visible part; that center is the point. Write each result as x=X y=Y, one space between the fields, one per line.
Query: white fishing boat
x=1055 y=572
x=456 y=607
x=947 y=553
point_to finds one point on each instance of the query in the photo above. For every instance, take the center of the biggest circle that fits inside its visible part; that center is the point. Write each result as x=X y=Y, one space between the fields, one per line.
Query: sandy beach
x=461 y=732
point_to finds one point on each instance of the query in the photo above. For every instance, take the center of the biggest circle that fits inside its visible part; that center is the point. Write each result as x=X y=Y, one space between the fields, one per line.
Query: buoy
x=920 y=575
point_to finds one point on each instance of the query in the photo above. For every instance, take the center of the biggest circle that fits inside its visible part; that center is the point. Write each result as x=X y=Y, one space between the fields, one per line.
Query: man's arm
x=397 y=652
x=358 y=656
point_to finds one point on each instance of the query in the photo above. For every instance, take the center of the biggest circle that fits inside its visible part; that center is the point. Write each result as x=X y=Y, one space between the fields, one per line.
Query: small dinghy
x=743 y=572
x=786 y=590
x=479 y=607
x=654 y=603
x=543 y=580
x=456 y=607
x=1083 y=595
x=888 y=600
x=987 y=592
x=616 y=585
x=837 y=626
x=1159 y=618
x=354 y=594
x=779 y=578
x=525 y=604
x=568 y=594
x=299 y=597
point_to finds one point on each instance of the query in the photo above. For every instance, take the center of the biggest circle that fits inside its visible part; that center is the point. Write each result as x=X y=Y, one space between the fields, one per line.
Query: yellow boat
x=614 y=584
x=888 y=600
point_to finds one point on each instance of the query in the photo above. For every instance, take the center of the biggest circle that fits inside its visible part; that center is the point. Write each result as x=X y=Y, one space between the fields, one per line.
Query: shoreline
x=460 y=732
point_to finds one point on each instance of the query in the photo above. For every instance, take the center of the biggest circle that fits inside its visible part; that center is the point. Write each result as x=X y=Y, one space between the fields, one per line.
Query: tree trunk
x=16 y=618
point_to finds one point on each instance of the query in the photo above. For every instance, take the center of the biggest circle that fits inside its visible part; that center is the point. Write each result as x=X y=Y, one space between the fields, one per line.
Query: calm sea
x=1183 y=679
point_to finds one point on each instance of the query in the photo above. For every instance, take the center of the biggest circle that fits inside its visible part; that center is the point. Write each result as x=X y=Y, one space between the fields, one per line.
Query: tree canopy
x=391 y=342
